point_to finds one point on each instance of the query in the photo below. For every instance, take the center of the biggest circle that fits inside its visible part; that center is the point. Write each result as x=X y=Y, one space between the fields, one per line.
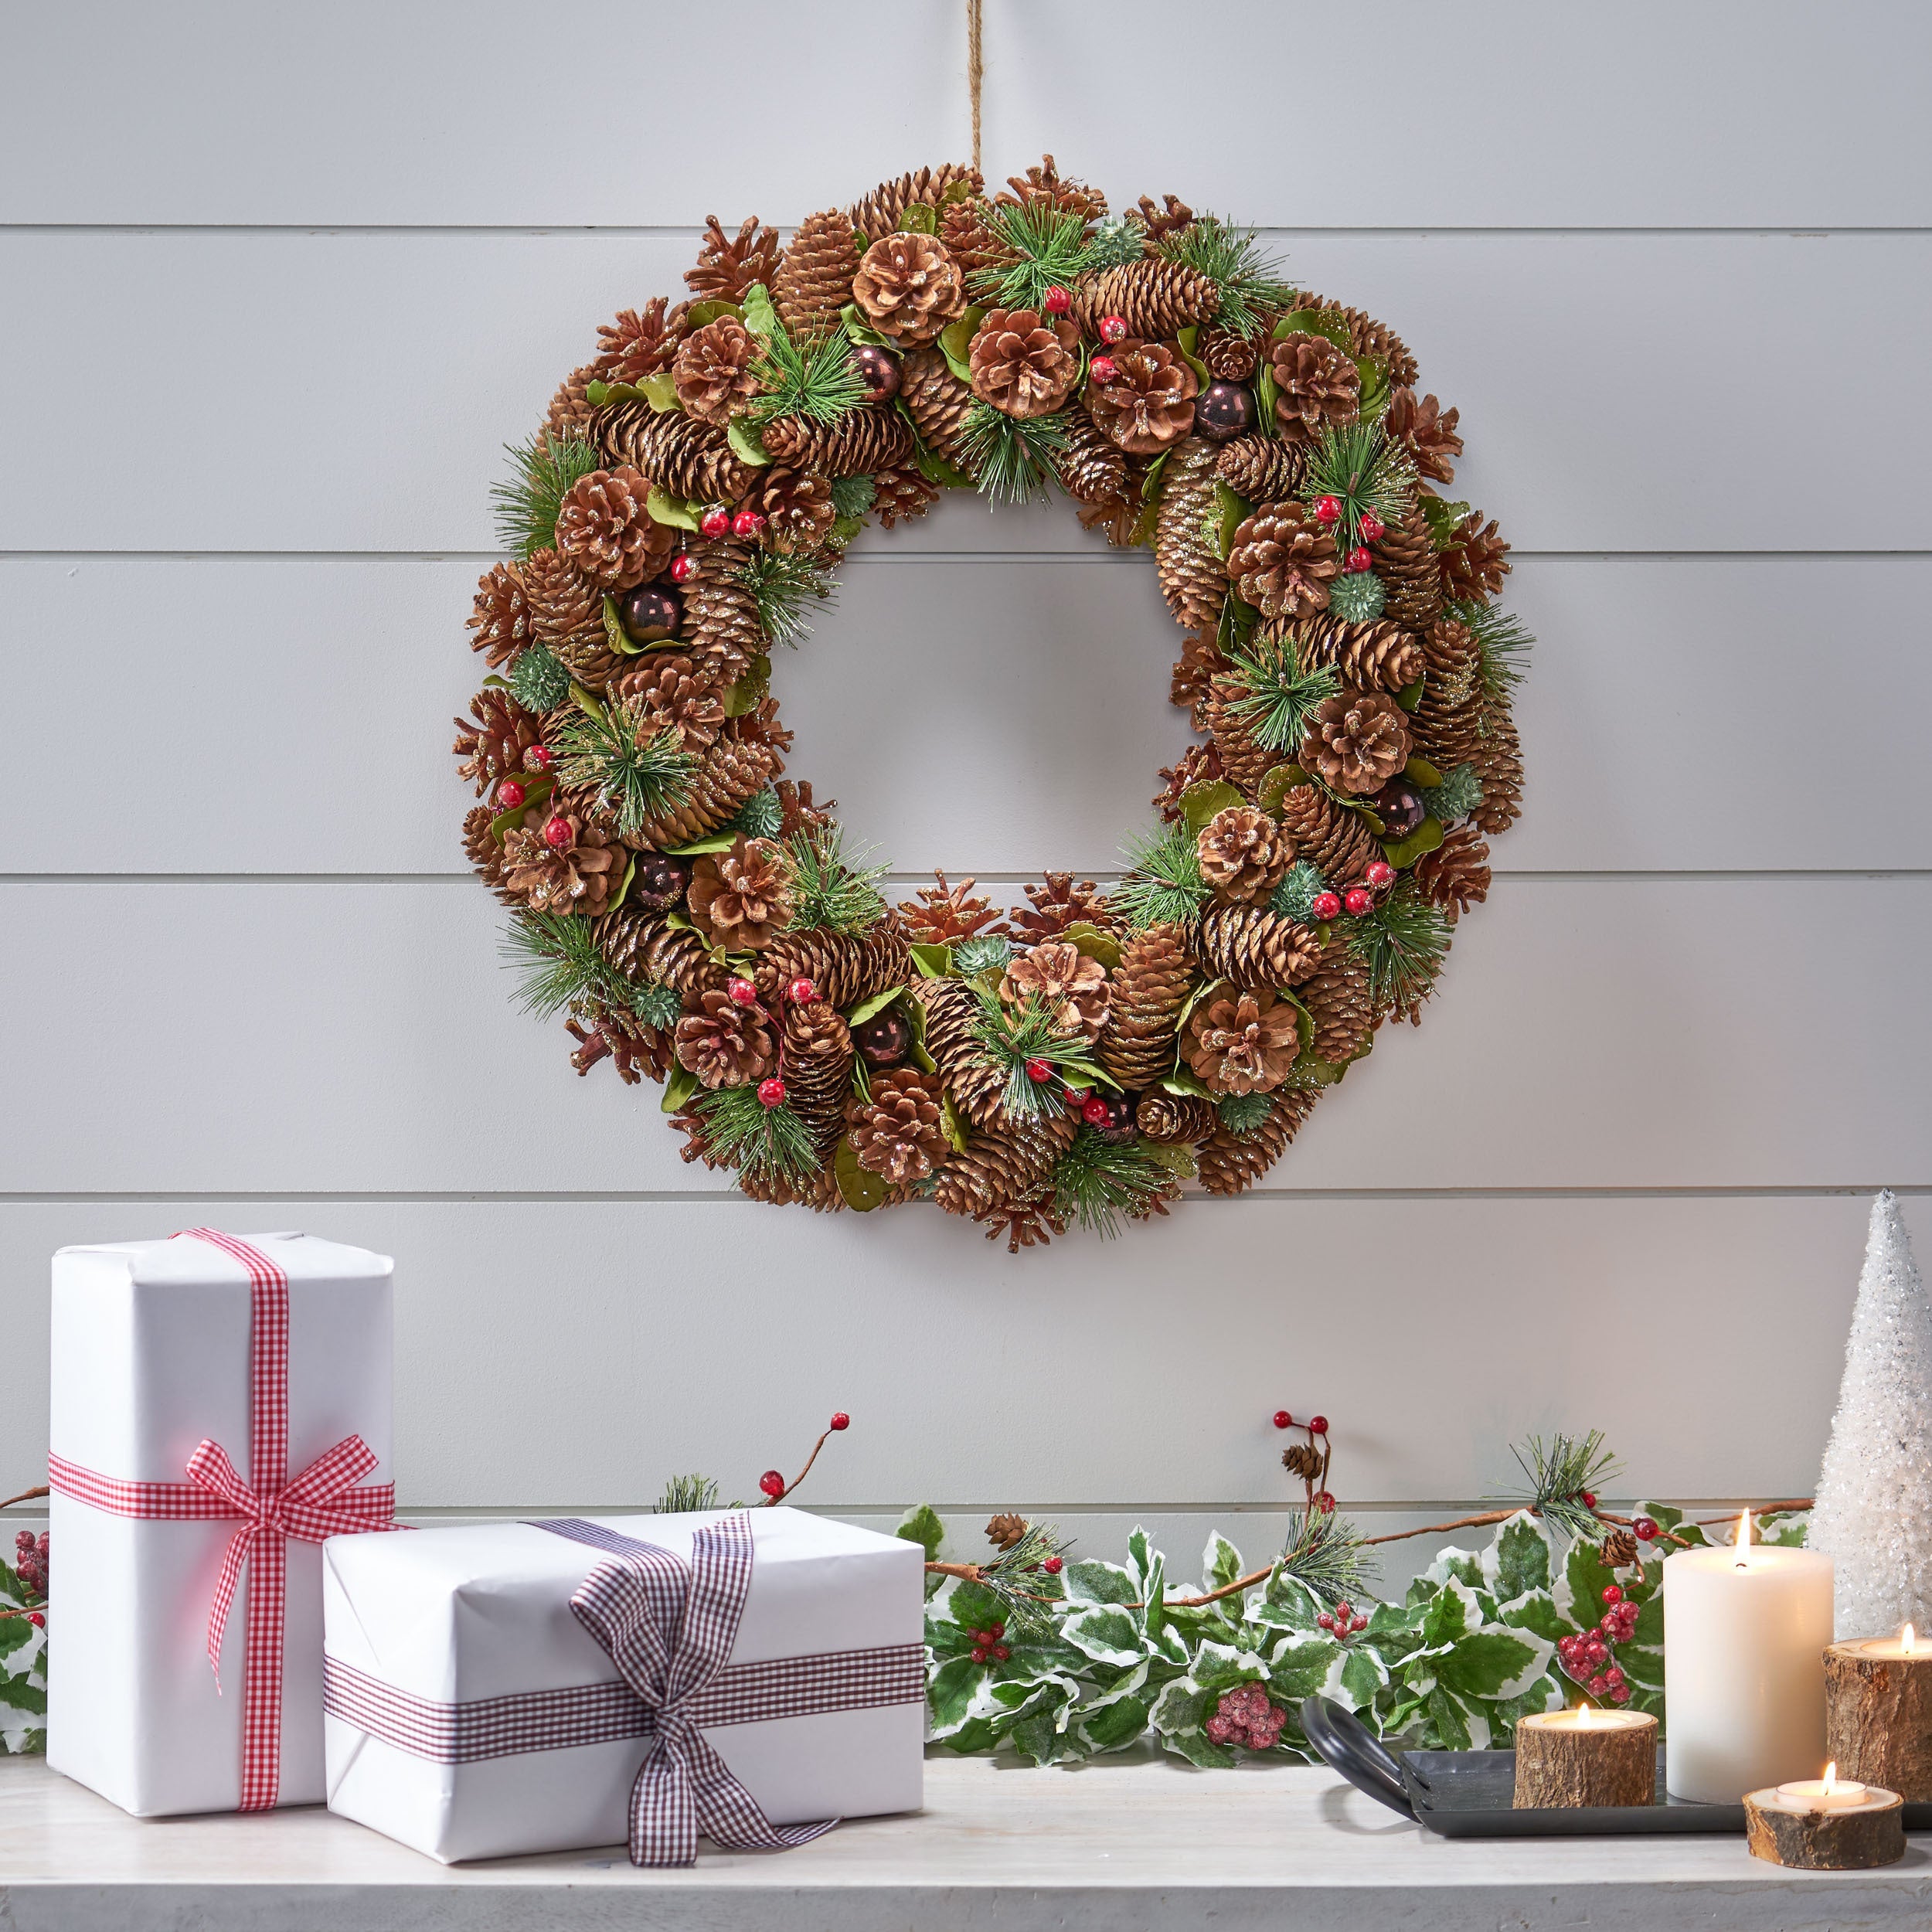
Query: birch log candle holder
x=1878 y=1712
x=1586 y=1757
x=1825 y=1824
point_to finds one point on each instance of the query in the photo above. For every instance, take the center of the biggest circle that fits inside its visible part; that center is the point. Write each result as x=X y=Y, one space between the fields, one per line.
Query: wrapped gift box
x=157 y=1349
x=471 y=1713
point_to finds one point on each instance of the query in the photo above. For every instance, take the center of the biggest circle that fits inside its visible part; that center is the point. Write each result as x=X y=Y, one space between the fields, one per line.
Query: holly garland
x=694 y=916
x=23 y=1639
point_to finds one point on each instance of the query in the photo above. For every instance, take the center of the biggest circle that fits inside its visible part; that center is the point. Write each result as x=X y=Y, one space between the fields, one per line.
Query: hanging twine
x=975 y=69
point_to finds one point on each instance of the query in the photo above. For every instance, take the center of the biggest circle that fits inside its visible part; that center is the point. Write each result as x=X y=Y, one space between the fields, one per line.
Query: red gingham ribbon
x=320 y=1501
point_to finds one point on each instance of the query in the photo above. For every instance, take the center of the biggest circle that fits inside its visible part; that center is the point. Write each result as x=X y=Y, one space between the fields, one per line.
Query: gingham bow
x=669 y=1629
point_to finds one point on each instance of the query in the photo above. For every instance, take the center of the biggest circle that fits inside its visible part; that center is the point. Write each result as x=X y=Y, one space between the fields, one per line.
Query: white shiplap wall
x=279 y=283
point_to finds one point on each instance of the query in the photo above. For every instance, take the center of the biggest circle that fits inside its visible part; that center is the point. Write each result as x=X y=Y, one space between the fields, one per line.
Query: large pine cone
x=952 y=1009
x=1060 y=977
x=1245 y=761
x=1024 y=363
x=818 y=1191
x=909 y=288
x=484 y=852
x=873 y=436
x=568 y=418
x=1357 y=740
x=797 y=505
x=1058 y=903
x=675 y=693
x=1090 y=468
x=1243 y=854
x=900 y=1132
x=936 y=400
x=1336 y=995
x=723 y=1043
x=843 y=967
x=1254 y=946
x=1456 y=875
x=1186 y=559
x=1242 y=1042
x=1405 y=560
x=1262 y=468
x=1282 y=561
x=721 y=629
x=637 y=345
x=644 y=950
x=1174 y=1119
x=1003 y=1164
x=902 y=494
x=739 y=899
x=1498 y=761
x=1477 y=559
x=1149 y=403
x=881 y=211
x=1447 y=721
x=818 y=1075
x=683 y=457
x=1151 y=985
x=1326 y=836
x=1427 y=431
x=578 y=875
x=1230 y=1162
x=493 y=741
x=731 y=772
x=1367 y=337
x=501 y=617
x=1376 y=656
x=564 y=604
x=604 y=528
x=1316 y=385
x=1154 y=297
x=712 y=373
x=814 y=281
x=727 y=265
x=938 y=915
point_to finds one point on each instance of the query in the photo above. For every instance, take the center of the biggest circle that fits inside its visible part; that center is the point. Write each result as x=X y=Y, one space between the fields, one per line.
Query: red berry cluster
x=987 y=1647
x=1586 y=1655
x=1344 y=1620
x=1245 y=1717
x=30 y=1562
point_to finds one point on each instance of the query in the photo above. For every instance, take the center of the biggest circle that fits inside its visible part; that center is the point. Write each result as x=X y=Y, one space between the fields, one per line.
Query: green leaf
x=956 y=341
x=859 y=330
x=1108 y=1634
x=750 y=691
x=1265 y=396
x=1482 y=1664
x=1301 y=1667
x=710 y=310
x=1112 y=1725
x=1090 y=1581
x=949 y=1692
x=1310 y=321
x=1278 y=783
x=954 y=1125
x=860 y=1189
x=746 y=444
x=1197 y=1748
x=711 y=842
x=1519 y=1559
x=1183 y=1706
x=1232 y=513
x=1176 y=1156
x=919 y=218
x=1373 y=377
x=1579 y=1595
x=1402 y=853
x=759 y=316
x=1220 y=1562
x=1409 y=695
x=1093 y=942
x=678 y=1090
x=922 y=1527
x=933 y=962
x=1204 y=799
x=1419 y=771
x=1536 y=1611
x=1184 y=342
x=670 y=510
x=872 y=1007
x=1360 y=1680
x=1219 y=1667
x=1185 y=1080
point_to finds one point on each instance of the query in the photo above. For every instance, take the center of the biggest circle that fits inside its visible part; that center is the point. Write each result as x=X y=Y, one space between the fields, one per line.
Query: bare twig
x=25 y=1495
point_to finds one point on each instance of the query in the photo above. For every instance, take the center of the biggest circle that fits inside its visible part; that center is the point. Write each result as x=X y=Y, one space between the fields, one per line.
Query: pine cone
x=972 y=241
x=1230 y=1162
x=604 y=528
x=797 y=505
x=1009 y=1165
x=1357 y=740
x=1242 y=1042
x=881 y=211
x=493 y=741
x=1192 y=682
x=900 y=1132
x=1376 y=656
x=1243 y=854
x=590 y=660
x=1058 y=976
x=576 y=876
x=1282 y=561
x=1245 y=761
x=1154 y=297
x=1004 y=1532
x=843 y=967
x=1327 y=836
x=1498 y=761
x=1090 y=467
x=481 y=848
x=712 y=373
x=1044 y=185
x=1187 y=557
x=818 y=1191
x=909 y=288
x=739 y=899
x=1150 y=986
x=938 y=915
x=1366 y=337
x=1024 y=363
x=1198 y=764
x=1149 y=403
x=1456 y=875
x=1160 y=219
x=637 y=345
x=1336 y=995
x=1174 y=1120
x=565 y=605
x=568 y=418
x=814 y=281
x=722 y=632
x=675 y=691
x=1477 y=559
x=723 y=1043
x=977 y=1086
x=644 y=950
x=1427 y=431
x=1253 y=947
x=1058 y=904
x=1316 y=385
x=817 y=1076
x=731 y=772
x=501 y=617
x=1405 y=560
x=636 y=1051
x=1619 y=1550
x=1447 y=720
x=873 y=436
x=683 y=457
x=1230 y=357
x=1263 y=469
x=726 y=269
x=936 y=400
x=902 y=494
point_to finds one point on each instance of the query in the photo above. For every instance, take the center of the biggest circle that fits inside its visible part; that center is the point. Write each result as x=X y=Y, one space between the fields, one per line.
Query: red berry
x=1094 y=1110
x=1325 y=1503
x=772 y=1483
x=1001 y=1652
x=746 y=523
x=1103 y=369
x=1371 y=525
x=1051 y=1565
x=1613 y=1594
x=38 y=1621
x=510 y=794
x=681 y=566
x=1599 y=1687
x=1380 y=873
x=979 y=1655
x=23 y=1540
x=1324 y=1621
x=1320 y=1425
x=1058 y=300
x=1644 y=1529
x=1113 y=328
x=1327 y=510
x=1588 y=1496
x=771 y=1092
x=716 y=523
x=1619 y=1694
x=801 y=992
x=1282 y=1420
x=742 y=993
x=1038 y=1069
x=1359 y=899
x=841 y=1420
x=557 y=833
x=1325 y=905
x=1615 y=1673
x=1359 y=559
x=539 y=755
x=997 y=1632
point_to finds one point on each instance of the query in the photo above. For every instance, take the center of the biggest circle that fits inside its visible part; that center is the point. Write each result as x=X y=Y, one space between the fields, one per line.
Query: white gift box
x=453 y=1632
x=151 y=1355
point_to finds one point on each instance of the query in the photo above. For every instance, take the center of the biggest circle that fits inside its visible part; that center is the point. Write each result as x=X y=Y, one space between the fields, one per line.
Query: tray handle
x=1347 y=1745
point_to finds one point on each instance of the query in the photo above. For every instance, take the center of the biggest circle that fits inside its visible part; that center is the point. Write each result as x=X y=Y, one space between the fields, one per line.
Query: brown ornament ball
x=1118 y=1128
x=1222 y=411
x=1398 y=805
x=882 y=1040
x=650 y=614
x=880 y=367
x=659 y=881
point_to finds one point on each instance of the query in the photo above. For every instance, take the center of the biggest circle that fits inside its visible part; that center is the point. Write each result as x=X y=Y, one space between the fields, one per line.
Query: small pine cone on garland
x=1374 y=656
x=604 y=528
x=843 y=967
x=1186 y=559
x=677 y=692
x=814 y=281
x=723 y=1043
x=1058 y=976
x=1001 y=1165
x=568 y=418
x=1367 y=337
x=493 y=740
x=1242 y=1042
x=1456 y=875
x=901 y=494
x=1317 y=386
x=909 y=288
x=1327 y=836
x=1245 y=761
x=1243 y=854
x=712 y=372
x=1357 y=740
x=637 y=345
x=1619 y=1550
x=1229 y=1162
x=1498 y=757
x=1006 y=1531
x=501 y=617
x=1148 y=404
x=1404 y=559
x=1089 y=466
x=797 y=506
x=1150 y=986
x=1427 y=431
x=683 y=457
x=941 y=914
x=952 y=1010
x=1153 y=296
x=1230 y=357
x=817 y=1070
x=729 y=774
x=873 y=436
x=899 y=1132
x=1336 y=995
x=936 y=400
x=645 y=950
x=1174 y=1120
x=1200 y=764
x=1058 y=903
x=1253 y=947
x=740 y=899
x=881 y=211
x=1023 y=363
x=1477 y=559
x=1043 y=185
x=1282 y=561
x=721 y=630
x=727 y=266
x=565 y=606
x=1263 y=469
x=1192 y=682
x=578 y=875
x=484 y=852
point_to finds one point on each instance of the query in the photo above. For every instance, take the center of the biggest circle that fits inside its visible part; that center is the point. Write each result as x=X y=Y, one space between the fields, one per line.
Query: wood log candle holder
x=1878 y=1714
x=1787 y=1829
x=1586 y=1757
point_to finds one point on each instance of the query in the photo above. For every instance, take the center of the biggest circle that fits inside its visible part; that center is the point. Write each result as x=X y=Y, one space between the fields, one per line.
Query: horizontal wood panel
x=967 y=715
x=1730 y=114
x=1432 y=1334
x=337 y=392
x=358 y=1038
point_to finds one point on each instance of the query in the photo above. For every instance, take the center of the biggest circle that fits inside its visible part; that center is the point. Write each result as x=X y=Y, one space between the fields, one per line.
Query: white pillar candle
x=1745 y=1629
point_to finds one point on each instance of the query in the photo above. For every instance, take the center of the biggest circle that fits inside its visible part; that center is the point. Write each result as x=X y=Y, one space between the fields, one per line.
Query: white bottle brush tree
x=1873 y=1514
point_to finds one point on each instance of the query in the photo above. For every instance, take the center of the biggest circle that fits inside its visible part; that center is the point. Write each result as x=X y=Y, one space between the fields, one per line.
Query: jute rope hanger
x=975 y=70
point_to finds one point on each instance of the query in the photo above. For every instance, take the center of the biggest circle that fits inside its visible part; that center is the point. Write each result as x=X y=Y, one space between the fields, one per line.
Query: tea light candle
x=1586 y=1757
x=1878 y=1711
x=1745 y=1631
x=1825 y=1824
x=1830 y=1793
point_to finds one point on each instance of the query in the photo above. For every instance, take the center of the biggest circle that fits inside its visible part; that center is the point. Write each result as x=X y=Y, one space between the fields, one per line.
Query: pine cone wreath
x=740 y=899
x=1456 y=875
x=1476 y=560
x=909 y=288
x=727 y=266
x=1327 y=836
x=1150 y=986
x=1253 y=947
x=1056 y=904
x=1374 y=656
x=1023 y=363
x=568 y=418
x=814 y=281
x=604 y=527
x=1263 y=469
x=901 y=495
x=1186 y=557
x=953 y=1011
x=942 y=187
x=1004 y=1165
x=712 y=372
x=563 y=863
x=936 y=400
x=941 y=914
x=1058 y=976
x=1336 y=995
x=1242 y=1042
x=1367 y=337
x=1282 y=561
x=1404 y=558
x=484 y=852
x=873 y=436
x=683 y=457
x=1427 y=431
x=723 y=1043
x=1153 y=296
x=900 y=1131
x=1173 y=1120
x=565 y=605
x=1243 y=854
x=798 y=507
x=818 y=1075
x=645 y=950
x=1229 y=1162
x=1357 y=740
x=1147 y=403
x=721 y=630
x=1089 y=465
x=677 y=694
x=494 y=741
x=501 y=616
x=1316 y=386
x=843 y=967
x=639 y=344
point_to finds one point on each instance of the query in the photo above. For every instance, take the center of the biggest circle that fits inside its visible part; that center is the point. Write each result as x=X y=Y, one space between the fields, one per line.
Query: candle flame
x=1744 y=1529
x=1831 y=1777
x=1907 y=1640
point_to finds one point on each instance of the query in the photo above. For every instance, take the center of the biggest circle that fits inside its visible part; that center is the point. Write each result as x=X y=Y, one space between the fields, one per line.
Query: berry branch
x=775 y=1489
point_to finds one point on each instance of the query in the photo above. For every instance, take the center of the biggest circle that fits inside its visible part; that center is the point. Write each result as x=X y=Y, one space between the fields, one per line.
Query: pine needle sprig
x=1009 y=1037
x=1277 y=695
x=1251 y=283
x=1402 y=941
x=1115 y=242
x=558 y=957
x=1019 y=1576
x=1241 y=1114
x=684 y=1493
x=1503 y=644
x=853 y=495
x=767 y=1143
x=1326 y=1554
x=1561 y=1473
x=1097 y=1182
x=761 y=816
x=1052 y=250
x=1164 y=885
x=1363 y=469
x=1456 y=797
x=639 y=771
x=658 y=1005
x=783 y=584
x=544 y=471
x=829 y=893
x=820 y=382
x=1294 y=897
x=1010 y=458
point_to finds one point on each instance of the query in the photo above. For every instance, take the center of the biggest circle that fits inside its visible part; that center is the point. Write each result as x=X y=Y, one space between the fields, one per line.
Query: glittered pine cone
x=1024 y=363
x=1327 y=836
x=1230 y=357
x=1089 y=466
x=1173 y=1119
x=900 y=1132
x=501 y=617
x=1154 y=297
x=1336 y=995
x=604 y=528
x=1282 y=561
x=1148 y=403
x=682 y=456
x=1230 y=1162
x=565 y=604
x=1003 y=1164
x=939 y=915
x=797 y=508
x=577 y=874
x=1057 y=903
x=873 y=436
x=723 y=1043
x=740 y=899
x=643 y=948
x=936 y=400
x=1254 y=946
x=1187 y=556
x=1242 y=1042
x=1366 y=336
x=728 y=265
x=814 y=281
x=1357 y=740
x=712 y=372
x=485 y=850
x=1427 y=431
x=1262 y=469
x=909 y=288
x=1150 y=986
x=881 y=211
x=1456 y=875
x=1059 y=977
x=675 y=691
x=1243 y=853
x=1044 y=185
x=639 y=343
x=493 y=741
x=1477 y=559
x=901 y=495
x=1316 y=385
x=721 y=631
x=817 y=1059
x=1405 y=562
x=1374 y=656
